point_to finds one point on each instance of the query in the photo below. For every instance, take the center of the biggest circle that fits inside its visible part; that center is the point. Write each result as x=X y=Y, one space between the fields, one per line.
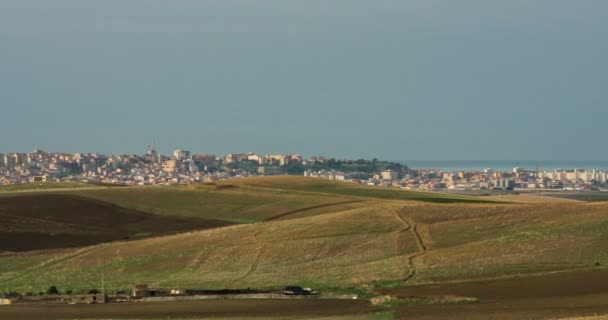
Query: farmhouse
x=88 y=298
x=142 y=290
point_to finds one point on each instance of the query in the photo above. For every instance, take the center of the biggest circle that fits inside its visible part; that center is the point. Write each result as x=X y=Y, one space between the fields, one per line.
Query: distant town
x=182 y=167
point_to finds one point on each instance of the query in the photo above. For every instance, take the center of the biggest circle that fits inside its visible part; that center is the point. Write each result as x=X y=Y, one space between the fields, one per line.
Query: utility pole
x=103 y=267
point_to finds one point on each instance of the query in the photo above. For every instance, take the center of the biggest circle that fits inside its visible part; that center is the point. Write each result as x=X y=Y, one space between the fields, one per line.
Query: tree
x=293 y=168
x=52 y=290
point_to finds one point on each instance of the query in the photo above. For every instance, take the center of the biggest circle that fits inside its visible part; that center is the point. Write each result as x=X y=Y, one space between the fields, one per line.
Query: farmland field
x=266 y=233
x=214 y=309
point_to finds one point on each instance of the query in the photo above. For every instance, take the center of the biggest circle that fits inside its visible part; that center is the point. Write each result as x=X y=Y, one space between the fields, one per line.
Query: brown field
x=264 y=309
x=552 y=296
x=46 y=221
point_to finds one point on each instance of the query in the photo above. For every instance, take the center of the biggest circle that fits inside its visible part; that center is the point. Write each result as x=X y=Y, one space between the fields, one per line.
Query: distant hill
x=319 y=185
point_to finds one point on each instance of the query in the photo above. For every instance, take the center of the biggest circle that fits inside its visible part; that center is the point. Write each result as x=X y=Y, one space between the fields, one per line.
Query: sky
x=387 y=79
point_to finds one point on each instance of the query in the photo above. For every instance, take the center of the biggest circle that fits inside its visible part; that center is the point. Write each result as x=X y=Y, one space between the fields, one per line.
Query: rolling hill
x=46 y=221
x=321 y=234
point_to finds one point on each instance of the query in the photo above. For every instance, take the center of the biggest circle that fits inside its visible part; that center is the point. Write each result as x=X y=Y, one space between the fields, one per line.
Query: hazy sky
x=426 y=79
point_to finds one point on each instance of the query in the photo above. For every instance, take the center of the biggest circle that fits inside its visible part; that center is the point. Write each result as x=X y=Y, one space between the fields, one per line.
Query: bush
x=68 y=292
x=52 y=290
x=93 y=291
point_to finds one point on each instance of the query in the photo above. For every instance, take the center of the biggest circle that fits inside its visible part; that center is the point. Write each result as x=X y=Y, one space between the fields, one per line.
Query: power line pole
x=103 y=267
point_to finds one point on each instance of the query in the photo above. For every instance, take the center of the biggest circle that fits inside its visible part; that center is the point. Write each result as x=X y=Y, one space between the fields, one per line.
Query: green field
x=316 y=185
x=231 y=204
x=41 y=186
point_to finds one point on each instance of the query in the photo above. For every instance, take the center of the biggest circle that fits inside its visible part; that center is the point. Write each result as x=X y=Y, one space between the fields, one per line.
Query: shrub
x=52 y=290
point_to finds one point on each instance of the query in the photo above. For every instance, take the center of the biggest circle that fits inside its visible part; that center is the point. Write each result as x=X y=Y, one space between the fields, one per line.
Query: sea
x=504 y=166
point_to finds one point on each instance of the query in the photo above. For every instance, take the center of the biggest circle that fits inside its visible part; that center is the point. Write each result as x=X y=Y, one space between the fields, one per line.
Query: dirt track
x=545 y=297
x=190 y=309
x=292 y=212
x=410 y=225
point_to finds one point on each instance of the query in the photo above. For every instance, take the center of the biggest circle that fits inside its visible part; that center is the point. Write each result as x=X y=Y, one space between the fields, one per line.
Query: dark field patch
x=560 y=295
x=44 y=221
x=191 y=309
x=591 y=196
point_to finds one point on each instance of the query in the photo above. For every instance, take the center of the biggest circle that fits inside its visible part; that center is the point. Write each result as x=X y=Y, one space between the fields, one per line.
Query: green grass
x=35 y=186
x=338 y=250
x=318 y=185
x=234 y=204
x=498 y=241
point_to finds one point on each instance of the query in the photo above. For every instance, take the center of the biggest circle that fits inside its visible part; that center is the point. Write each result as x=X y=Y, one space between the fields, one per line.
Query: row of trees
x=52 y=290
x=361 y=166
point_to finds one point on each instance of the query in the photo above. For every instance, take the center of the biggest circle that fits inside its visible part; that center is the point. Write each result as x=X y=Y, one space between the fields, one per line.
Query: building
x=296 y=158
x=256 y=158
x=88 y=298
x=389 y=175
x=204 y=158
x=180 y=154
x=152 y=156
x=142 y=290
x=280 y=160
x=235 y=157
x=505 y=184
x=170 y=165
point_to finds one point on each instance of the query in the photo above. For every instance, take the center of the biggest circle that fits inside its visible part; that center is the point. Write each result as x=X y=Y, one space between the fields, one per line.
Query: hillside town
x=182 y=167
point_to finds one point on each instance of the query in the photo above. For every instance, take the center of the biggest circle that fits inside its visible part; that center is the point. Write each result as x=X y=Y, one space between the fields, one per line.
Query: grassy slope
x=334 y=246
x=231 y=204
x=41 y=186
x=354 y=246
x=488 y=241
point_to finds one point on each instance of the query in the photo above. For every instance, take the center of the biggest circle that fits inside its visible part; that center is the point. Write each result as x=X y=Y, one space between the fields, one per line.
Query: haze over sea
x=478 y=165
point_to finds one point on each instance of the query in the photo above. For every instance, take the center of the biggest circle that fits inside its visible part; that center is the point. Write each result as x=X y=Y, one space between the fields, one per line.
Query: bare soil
x=190 y=309
x=558 y=295
x=45 y=221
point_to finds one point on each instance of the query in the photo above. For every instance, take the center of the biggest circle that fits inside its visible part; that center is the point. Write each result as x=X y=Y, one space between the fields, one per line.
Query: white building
x=389 y=175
